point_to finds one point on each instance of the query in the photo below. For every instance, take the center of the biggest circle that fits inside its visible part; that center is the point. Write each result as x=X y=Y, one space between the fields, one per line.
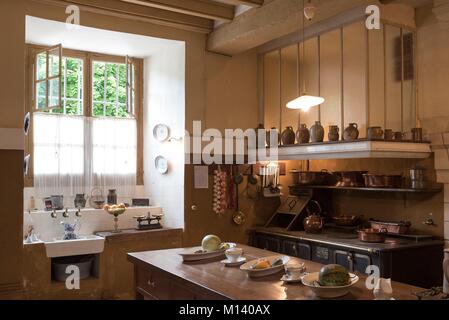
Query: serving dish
x=307 y=178
x=311 y=280
x=257 y=273
x=346 y=220
x=197 y=253
x=402 y=227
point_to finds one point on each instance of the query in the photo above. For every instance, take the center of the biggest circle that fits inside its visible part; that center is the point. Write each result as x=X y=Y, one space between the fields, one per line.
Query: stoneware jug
x=288 y=136
x=317 y=132
x=303 y=134
x=273 y=135
x=446 y=272
x=334 y=133
x=352 y=132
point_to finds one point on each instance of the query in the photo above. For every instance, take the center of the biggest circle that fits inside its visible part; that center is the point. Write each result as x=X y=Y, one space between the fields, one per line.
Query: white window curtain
x=75 y=154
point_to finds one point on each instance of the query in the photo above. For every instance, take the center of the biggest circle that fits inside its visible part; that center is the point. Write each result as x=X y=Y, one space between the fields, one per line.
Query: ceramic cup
x=234 y=254
x=294 y=269
x=375 y=133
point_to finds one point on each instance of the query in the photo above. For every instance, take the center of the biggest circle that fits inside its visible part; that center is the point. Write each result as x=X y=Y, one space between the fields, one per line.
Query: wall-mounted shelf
x=436 y=188
x=355 y=150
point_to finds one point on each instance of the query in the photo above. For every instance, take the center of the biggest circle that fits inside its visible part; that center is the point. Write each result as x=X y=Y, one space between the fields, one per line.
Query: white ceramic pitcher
x=446 y=271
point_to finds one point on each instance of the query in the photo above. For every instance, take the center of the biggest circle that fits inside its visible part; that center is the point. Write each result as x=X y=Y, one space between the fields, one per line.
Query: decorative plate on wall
x=161 y=132
x=161 y=164
x=26 y=123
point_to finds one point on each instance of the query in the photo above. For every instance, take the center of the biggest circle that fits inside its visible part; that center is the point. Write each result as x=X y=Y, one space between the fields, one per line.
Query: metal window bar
x=64 y=105
x=105 y=87
x=80 y=85
x=116 y=89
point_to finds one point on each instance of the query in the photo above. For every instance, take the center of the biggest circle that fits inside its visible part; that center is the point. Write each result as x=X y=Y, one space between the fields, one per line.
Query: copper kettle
x=314 y=223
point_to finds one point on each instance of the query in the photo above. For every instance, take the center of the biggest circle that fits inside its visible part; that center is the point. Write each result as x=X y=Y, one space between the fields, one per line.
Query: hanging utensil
x=238 y=217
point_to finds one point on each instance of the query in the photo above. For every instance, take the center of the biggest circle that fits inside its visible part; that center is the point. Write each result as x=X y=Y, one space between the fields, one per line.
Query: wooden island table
x=162 y=275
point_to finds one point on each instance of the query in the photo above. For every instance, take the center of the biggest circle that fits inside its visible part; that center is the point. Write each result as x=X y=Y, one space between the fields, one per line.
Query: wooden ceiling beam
x=198 y=8
x=136 y=12
x=250 y=3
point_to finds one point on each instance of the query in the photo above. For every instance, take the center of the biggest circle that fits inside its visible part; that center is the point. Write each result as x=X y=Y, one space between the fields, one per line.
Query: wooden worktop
x=232 y=283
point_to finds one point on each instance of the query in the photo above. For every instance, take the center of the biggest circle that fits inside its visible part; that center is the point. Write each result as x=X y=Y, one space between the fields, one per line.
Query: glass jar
x=112 y=196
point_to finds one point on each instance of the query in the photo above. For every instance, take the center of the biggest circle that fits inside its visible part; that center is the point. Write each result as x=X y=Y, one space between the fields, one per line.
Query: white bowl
x=257 y=273
x=311 y=281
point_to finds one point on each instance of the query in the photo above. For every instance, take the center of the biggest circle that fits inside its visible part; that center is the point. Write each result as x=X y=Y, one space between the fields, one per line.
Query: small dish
x=231 y=264
x=327 y=292
x=292 y=279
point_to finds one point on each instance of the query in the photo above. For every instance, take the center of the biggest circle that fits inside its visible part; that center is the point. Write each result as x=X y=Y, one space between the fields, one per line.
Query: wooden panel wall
x=358 y=72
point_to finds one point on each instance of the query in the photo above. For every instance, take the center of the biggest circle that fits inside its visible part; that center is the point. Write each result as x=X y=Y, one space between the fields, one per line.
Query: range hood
x=354 y=150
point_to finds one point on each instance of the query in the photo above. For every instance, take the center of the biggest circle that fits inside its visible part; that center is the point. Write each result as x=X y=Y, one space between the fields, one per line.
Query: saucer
x=290 y=279
x=237 y=263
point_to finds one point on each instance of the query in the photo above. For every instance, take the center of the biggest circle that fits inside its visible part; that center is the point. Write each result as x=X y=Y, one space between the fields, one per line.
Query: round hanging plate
x=161 y=164
x=161 y=132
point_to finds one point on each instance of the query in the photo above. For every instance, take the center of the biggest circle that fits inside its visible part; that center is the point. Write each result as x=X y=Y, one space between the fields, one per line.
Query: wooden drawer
x=154 y=282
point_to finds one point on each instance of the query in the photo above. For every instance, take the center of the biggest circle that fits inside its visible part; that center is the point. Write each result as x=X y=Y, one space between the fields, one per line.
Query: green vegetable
x=334 y=275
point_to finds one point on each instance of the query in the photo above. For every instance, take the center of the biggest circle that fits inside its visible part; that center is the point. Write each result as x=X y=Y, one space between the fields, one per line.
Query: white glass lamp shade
x=305 y=102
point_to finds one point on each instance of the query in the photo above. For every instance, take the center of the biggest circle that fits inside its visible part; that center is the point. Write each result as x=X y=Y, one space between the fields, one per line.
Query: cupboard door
x=290 y=248
x=304 y=251
x=321 y=254
x=344 y=258
x=270 y=244
x=361 y=262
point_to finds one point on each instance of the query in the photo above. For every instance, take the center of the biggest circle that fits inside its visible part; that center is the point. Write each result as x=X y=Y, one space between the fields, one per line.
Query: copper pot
x=382 y=181
x=350 y=178
x=346 y=220
x=307 y=178
x=372 y=235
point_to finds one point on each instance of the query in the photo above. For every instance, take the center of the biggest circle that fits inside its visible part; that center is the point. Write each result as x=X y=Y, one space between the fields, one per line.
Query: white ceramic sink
x=83 y=245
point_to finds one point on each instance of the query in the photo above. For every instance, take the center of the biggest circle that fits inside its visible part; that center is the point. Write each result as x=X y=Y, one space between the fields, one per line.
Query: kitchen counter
x=163 y=275
x=349 y=240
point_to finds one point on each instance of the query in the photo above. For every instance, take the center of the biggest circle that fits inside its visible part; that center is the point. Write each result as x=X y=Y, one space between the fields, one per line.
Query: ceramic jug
x=351 y=133
x=303 y=134
x=446 y=272
x=273 y=135
x=334 y=133
x=317 y=132
x=288 y=136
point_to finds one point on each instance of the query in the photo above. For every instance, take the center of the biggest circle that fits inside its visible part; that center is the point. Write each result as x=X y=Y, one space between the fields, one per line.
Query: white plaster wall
x=164 y=92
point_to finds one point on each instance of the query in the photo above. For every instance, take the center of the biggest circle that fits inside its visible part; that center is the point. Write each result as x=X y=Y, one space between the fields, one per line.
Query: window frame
x=88 y=59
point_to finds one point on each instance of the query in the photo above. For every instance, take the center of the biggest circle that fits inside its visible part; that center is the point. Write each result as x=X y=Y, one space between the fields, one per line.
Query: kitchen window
x=87 y=134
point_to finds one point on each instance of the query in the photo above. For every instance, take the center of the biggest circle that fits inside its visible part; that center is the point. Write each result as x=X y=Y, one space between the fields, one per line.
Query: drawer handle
x=152 y=284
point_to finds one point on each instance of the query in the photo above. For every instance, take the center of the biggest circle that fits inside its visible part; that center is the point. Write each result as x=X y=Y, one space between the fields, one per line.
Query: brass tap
x=65 y=214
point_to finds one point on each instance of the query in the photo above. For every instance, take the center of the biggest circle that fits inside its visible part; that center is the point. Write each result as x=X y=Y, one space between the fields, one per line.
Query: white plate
x=237 y=263
x=161 y=164
x=327 y=292
x=161 y=132
x=290 y=279
x=257 y=273
x=191 y=255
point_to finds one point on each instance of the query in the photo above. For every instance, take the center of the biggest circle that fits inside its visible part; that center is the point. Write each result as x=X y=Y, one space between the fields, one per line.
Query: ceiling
x=218 y=11
x=49 y=33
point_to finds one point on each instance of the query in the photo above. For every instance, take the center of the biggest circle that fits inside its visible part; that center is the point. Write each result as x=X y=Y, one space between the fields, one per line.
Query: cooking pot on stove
x=372 y=235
